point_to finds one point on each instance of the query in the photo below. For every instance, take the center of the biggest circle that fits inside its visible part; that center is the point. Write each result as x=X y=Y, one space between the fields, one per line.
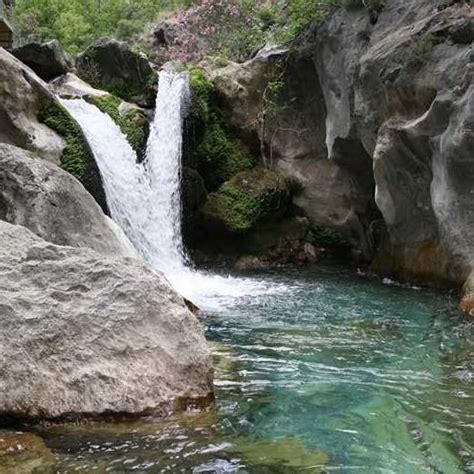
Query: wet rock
x=23 y=96
x=113 y=66
x=467 y=302
x=54 y=205
x=24 y=453
x=94 y=335
x=48 y=59
x=69 y=86
x=193 y=196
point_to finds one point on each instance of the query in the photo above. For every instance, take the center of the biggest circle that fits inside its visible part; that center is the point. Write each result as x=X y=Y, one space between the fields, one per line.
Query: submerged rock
x=24 y=453
x=94 y=335
x=48 y=59
x=54 y=205
x=113 y=66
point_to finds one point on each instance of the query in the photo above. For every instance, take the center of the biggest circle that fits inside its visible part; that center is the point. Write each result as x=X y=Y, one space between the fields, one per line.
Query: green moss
x=76 y=154
x=132 y=125
x=248 y=198
x=234 y=208
x=219 y=155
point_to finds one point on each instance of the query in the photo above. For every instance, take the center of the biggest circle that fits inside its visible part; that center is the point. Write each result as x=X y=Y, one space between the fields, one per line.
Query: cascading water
x=145 y=198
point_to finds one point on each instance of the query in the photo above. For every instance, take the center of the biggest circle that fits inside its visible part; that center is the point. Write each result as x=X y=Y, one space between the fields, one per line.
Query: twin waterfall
x=145 y=198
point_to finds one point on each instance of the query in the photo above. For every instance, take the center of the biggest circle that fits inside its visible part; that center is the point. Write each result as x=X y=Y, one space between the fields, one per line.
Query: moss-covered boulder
x=132 y=120
x=249 y=198
x=113 y=66
x=213 y=148
x=77 y=158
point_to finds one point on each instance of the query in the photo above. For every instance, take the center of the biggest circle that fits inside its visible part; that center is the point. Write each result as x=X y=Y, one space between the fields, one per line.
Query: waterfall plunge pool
x=338 y=373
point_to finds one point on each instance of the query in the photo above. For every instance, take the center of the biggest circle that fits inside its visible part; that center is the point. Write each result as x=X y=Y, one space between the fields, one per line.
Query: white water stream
x=145 y=199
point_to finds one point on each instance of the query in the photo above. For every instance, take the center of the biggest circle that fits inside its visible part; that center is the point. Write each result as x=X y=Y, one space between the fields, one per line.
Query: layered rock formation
x=95 y=335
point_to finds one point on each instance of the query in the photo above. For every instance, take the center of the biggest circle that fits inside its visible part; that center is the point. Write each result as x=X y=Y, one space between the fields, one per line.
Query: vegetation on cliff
x=218 y=154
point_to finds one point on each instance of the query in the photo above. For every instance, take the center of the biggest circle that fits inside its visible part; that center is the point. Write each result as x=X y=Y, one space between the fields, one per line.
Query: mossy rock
x=22 y=453
x=218 y=155
x=247 y=199
x=134 y=124
x=77 y=158
x=113 y=66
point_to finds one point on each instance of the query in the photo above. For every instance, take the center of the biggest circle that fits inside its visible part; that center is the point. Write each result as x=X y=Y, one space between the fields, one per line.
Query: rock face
x=54 y=205
x=111 y=65
x=48 y=60
x=22 y=97
x=385 y=138
x=291 y=135
x=94 y=335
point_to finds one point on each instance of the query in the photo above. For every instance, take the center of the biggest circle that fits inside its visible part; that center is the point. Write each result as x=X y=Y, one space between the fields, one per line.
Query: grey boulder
x=54 y=205
x=93 y=335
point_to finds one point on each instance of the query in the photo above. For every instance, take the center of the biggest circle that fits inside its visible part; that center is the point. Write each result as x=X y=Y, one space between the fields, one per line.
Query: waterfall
x=145 y=198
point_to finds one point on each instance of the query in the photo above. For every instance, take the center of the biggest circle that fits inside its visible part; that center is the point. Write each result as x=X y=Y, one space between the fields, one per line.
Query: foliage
x=76 y=23
x=132 y=125
x=327 y=237
x=219 y=155
x=76 y=154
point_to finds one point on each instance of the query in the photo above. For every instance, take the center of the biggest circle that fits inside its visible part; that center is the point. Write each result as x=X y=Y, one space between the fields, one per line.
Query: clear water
x=342 y=373
x=316 y=370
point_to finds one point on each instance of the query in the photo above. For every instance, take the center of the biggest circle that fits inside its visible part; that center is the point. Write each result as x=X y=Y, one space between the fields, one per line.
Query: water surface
x=335 y=372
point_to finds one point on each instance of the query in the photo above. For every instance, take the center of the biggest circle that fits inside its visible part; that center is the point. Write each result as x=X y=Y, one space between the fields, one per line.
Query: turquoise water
x=337 y=373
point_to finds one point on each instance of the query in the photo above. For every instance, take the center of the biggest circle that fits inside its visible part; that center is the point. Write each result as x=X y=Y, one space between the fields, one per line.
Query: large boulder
x=93 y=335
x=48 y=59
x=54 y=205
x=249 y=198
x=113 y=66
x=22 y=98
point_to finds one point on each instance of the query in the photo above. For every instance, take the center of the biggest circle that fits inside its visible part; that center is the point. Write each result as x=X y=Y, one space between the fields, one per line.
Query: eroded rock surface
x=23 y=96
x=384 y=137
x=54 y=205
x=94 y=335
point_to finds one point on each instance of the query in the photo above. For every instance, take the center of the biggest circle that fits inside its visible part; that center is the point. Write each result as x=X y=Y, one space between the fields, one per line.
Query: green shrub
x=76 y=154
